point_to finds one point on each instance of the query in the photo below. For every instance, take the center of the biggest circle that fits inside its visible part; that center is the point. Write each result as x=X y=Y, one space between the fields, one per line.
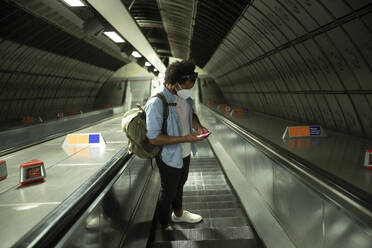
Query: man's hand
x=202 y=130
x=193 y=137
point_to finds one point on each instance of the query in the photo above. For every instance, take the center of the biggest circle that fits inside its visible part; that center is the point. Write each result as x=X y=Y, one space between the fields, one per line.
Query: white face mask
x=184 y=93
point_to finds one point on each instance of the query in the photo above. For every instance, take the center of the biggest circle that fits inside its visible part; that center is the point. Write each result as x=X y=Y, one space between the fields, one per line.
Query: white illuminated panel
x=74 y=3
x=114 y=36
x=136 y=54
x=155 y=69
x=147 y=64
x=119 y=17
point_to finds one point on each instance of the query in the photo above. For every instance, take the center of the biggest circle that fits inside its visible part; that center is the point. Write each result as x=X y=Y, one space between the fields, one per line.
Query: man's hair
x=177 y=70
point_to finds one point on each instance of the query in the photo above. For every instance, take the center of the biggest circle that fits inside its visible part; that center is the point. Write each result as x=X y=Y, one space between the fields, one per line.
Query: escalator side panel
x=107 y=221
x=278 y=201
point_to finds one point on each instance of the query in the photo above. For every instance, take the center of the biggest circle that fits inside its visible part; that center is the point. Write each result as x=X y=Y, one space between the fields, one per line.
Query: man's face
x=187 y=85
x=189 y=81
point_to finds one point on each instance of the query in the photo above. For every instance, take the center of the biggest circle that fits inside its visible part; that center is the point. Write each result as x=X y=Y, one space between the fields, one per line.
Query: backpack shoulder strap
x=165 y=111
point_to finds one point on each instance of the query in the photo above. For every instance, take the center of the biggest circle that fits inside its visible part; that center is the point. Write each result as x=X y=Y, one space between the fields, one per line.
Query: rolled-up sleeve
x=154 y=117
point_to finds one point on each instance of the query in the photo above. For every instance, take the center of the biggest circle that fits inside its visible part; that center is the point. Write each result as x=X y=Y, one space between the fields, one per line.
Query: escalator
x=233 y=176
x=208 y=192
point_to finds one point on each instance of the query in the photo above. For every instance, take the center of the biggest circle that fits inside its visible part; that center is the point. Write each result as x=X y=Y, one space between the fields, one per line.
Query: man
x=174 y=159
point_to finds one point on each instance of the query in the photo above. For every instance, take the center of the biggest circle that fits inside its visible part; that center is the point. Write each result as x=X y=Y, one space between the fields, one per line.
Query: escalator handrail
x=354 y=199
x=51 y=228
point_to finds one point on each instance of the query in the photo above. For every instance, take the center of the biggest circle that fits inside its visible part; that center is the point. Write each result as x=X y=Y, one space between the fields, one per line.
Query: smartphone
x=204 y=135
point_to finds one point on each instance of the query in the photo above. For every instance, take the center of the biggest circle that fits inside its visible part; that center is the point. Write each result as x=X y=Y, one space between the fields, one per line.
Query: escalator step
x=207 y=198
x=204 y=169
x=204 y=234
x=204 y=165
x=205 y=182
x=210 y=205
x=236 y=243
x=207 y=187
x=207 y=192
x=218 y=213
x=206 y=173
x=196 y=176
x=195 y=180
x=219 y=222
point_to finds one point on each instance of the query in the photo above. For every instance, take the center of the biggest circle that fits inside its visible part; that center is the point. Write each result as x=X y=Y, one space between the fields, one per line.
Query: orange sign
x=299 y=131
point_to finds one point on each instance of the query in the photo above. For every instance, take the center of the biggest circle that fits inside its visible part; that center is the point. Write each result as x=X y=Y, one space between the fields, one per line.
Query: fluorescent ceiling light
x=155 y=69
x=114 y=36
x=147 y=64
x=74 y=3
x=136 y=54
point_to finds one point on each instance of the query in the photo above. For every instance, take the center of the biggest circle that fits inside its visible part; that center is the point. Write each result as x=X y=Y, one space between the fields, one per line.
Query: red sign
x=33 y=172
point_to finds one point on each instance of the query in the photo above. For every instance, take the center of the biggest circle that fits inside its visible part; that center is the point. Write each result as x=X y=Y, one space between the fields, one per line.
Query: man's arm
x=197 y=125
x=163 y=139
x=196 y=122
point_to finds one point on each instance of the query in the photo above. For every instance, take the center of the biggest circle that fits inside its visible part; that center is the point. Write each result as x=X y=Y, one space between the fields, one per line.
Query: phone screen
x=204 y=134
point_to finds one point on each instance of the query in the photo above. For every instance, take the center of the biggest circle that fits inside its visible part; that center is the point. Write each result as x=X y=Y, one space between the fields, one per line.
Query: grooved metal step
x=208 y=193
x=208 y=198
x=210 y=205
x=204 y=234
x=216 y=213
x=236 y=243
x=196 y=181
x=215 y=222
x=207 y=187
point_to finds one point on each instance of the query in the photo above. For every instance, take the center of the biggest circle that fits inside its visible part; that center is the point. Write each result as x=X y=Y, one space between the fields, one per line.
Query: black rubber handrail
x=52 y=228
x=356 y=200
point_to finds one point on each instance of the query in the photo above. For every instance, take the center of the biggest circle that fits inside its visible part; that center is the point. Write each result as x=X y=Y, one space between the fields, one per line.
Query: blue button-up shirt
x=170 y=154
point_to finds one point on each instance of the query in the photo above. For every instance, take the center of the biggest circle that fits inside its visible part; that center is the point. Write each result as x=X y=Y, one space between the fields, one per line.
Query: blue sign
x=315 y=131
x=93 y=138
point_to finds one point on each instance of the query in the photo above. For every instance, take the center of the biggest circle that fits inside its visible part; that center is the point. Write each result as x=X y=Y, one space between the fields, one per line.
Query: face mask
x=184 y=93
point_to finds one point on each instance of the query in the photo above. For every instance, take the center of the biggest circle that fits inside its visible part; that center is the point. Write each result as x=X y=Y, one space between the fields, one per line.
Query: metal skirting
x=286 y=208
x=122 y=213
x=207 y=192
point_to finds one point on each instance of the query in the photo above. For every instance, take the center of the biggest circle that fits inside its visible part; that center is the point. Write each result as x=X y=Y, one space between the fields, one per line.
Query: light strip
x=114 y=36
x=136 y=54
x=120 y=18
x=74 y=3
x=147 y=64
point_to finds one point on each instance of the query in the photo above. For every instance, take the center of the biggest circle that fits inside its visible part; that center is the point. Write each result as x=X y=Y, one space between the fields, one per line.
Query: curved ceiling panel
x=24 y=28
x=147 y=15
x=213 y=21
x=177 y=17
x=307 y=61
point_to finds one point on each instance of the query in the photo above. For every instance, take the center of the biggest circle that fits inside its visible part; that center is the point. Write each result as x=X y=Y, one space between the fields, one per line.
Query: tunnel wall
x=37 y=83
x=302 y=60
x=111 y=94
x=43 y=68
x=210 y=91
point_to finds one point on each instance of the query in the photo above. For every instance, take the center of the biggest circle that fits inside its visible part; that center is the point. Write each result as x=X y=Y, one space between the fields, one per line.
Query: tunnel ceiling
x=306 y=61
x=147 y=15
x=186 y=29
x=213 y=21
x=53 y=27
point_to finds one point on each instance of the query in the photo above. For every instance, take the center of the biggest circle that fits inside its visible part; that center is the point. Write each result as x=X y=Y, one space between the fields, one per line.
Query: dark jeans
x=172 y=181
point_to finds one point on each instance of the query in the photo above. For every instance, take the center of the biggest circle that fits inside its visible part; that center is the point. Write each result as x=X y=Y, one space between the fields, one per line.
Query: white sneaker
x=187 y=217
